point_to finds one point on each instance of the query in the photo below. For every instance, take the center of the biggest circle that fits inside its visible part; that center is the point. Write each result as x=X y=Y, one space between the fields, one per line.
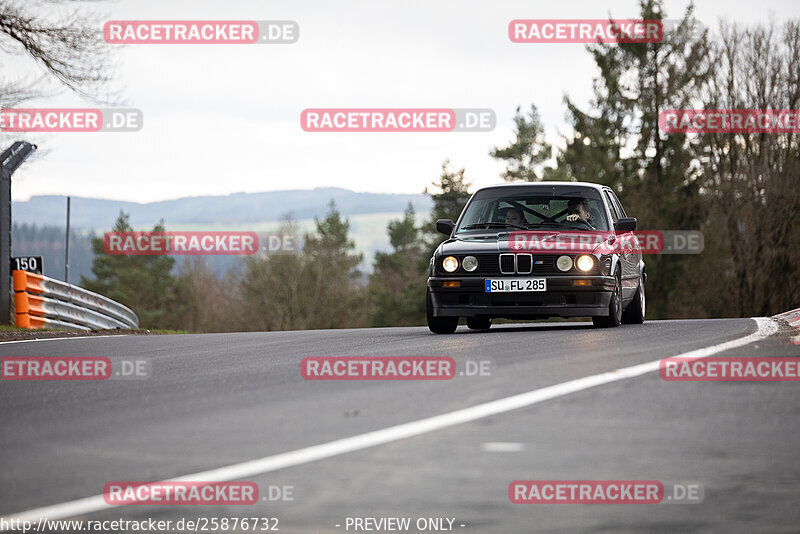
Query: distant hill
x=238 y=208
x=38 y=228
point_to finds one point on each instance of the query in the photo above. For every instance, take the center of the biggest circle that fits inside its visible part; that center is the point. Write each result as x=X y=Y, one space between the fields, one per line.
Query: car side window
x=614 y=213
x=618 y=204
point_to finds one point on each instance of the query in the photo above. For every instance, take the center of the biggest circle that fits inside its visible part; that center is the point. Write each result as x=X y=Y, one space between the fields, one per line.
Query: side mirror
x=445 y=226
x=626 y=224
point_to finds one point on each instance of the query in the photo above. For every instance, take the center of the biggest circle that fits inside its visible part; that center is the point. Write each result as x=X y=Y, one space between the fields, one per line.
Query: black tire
x=614 y=318
x=634 y=313
x=439 y=325
x=479 y=323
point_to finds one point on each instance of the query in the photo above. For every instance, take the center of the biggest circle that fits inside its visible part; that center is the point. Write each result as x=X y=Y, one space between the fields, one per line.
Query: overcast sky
x=220 y=119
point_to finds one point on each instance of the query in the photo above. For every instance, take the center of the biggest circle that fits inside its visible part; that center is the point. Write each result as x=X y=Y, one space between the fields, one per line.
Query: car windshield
x=534 y=207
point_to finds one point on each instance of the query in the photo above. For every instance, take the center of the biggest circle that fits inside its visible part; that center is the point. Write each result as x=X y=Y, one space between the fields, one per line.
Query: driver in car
x=578 y=209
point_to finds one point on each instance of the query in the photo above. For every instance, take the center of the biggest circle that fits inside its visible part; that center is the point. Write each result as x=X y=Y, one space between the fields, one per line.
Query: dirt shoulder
x=22 y=335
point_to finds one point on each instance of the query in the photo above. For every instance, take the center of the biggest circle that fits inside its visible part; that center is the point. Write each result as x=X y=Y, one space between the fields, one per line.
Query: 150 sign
x=32 y=264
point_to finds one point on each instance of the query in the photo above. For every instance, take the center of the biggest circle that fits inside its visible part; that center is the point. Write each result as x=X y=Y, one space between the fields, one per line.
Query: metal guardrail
x=42 y=302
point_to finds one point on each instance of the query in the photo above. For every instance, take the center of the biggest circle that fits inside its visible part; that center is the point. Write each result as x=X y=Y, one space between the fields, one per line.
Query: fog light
x=470 y=263
x=585 y=263
x=451 y=284
x=450 y=264
x=564 y=263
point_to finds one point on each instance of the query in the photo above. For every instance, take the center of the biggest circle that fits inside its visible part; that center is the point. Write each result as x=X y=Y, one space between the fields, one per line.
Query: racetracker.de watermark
x=397 y=120
x=378 y=368
x=393 y=368
x=201 y=31
x=180 y=493
x=721 y=369
x=729 y=121
x=47 y=120
x=602 y=242
x=605 y=492
x=74 y=368
x=189 y=243
x=585 y=31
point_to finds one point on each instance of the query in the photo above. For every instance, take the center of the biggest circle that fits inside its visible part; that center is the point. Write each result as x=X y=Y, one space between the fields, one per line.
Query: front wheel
x=614 y=318
x=439 y=325
x=634 y=313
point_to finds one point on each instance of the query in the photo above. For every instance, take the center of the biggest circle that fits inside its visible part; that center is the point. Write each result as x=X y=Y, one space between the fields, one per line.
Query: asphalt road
x=217 y=400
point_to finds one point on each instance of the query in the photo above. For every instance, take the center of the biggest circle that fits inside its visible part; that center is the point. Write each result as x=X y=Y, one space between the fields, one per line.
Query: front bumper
x=562 y=298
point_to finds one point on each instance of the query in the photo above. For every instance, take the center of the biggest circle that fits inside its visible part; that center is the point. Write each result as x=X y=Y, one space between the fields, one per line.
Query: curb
x=792 y=318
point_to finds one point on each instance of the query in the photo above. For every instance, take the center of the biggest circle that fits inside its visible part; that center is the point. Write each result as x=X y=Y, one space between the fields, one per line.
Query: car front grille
x=508 y=264
x=489 y=265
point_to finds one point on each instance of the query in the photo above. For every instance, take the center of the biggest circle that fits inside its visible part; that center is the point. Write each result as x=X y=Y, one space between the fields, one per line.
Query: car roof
x=589 y=185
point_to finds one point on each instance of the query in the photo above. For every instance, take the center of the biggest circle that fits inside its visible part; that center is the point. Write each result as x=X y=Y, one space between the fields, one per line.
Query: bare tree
x=66 y=43
x=750 y=179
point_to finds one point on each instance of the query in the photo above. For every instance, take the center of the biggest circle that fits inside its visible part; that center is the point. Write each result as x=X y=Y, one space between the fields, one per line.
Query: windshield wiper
x=492 y=225
x=558 y=225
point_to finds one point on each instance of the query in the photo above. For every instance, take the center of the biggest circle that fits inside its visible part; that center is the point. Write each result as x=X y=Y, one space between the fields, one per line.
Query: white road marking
x=765 y=328
x=61 y=338
x=502 y=446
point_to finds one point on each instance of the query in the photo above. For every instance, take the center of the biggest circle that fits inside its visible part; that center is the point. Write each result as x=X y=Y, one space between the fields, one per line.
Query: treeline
x=320 y=286
x=49 y=242
x=740 y=189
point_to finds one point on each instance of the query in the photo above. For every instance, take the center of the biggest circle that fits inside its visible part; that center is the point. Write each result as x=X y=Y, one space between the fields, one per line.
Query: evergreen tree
x=529 y=150
x=397 y=284
x=450 y=195
x=143 y=283
x=332 y=270
x=619 y=143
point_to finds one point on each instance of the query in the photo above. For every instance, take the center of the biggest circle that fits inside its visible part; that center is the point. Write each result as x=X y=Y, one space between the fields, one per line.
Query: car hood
x=541 y=241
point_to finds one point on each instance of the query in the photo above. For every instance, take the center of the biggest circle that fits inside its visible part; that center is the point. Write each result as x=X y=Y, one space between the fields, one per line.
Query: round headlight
x=564 y=263
x=470 y=263
x=585 y=263
x=450 y=264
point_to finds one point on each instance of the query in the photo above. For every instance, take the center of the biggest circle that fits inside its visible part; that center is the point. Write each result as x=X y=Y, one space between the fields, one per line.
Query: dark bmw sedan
x=537 y=250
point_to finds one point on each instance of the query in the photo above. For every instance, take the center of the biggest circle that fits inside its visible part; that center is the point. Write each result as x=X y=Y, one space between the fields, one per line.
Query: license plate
x=507 y=285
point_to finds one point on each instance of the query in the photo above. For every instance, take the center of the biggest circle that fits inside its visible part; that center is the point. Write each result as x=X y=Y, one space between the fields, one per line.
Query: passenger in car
x=514 y=216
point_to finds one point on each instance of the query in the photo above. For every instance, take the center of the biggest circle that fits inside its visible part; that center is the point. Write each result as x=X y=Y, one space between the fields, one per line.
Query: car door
x=629 y=255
